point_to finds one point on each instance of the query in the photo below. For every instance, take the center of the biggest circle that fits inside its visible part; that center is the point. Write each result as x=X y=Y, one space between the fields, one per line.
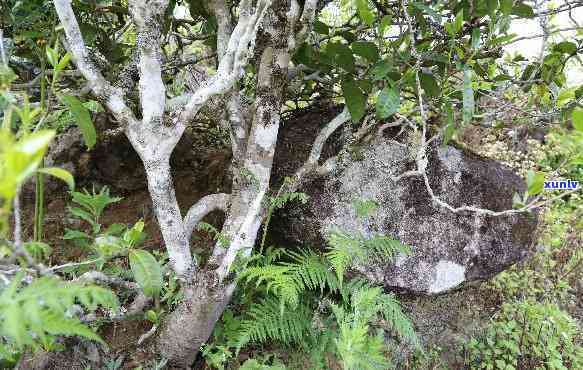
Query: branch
x=240 y=47
x=223 y=16
x=103 y=90
x=100 y=277
x=319 y=142
x=421 y=155
x=202 y=208
x=306 y=21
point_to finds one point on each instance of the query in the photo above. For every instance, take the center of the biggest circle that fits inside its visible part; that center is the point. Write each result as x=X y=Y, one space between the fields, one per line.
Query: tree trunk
x=168 y=215
x=190 y=325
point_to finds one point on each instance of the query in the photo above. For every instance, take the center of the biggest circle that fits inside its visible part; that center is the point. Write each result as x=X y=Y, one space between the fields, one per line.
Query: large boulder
x=448 y=249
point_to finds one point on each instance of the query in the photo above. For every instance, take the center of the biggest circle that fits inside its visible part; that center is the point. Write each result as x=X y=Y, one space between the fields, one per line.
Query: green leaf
x=365 y=49
x=475 y=38
x=450 y=128
x=535 y=182
x=341 y=55
x=63 y=62
x=523 y=11
x=577 y=117
x=458 y=22
x=385 y=23
x=388 y=102
x=27 y=154
x=83 y=119
x=506 y=6
x=355 y=100
x=566 y=47
x=147 y=271
x=429 y=84
x=364 y=12
x=381 y=69
x=60 y=174
x=491 y=5
x=427 y=10
x=468 y=97
x=517 y=201
x=321 y=28
x=52 y=56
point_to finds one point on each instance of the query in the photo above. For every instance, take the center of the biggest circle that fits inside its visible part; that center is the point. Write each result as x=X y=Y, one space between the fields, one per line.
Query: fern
x=278 y=201
x=293 y=282
x=364 y=207
x=345 y=250
x=288 y=280
x=265 y=321
x=31 y=315
x=218 y=236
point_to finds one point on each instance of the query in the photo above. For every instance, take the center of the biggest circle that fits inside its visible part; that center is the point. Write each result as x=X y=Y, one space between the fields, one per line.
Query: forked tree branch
x=146 y=16
x=111 y=96
x=231 y=65
x=203 y=207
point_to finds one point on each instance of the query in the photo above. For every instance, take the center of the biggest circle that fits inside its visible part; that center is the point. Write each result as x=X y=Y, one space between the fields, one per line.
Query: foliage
x=289 y=309
x=147 y=271
x=528 y=335
x=349 y=249
x=33 y=315
x=91 y=206
x=395 y=61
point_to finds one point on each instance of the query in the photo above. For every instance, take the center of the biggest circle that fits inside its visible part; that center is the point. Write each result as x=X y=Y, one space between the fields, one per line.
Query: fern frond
x=265 y=321
x=399 y=322
x=288 y=280
x=345 y=250
x=384 y=247
x=311 y=271
x=278 y=280
x=40 y=310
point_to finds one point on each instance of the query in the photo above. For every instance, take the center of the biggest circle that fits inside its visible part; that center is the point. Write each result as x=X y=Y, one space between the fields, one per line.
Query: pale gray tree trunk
x=284 y=25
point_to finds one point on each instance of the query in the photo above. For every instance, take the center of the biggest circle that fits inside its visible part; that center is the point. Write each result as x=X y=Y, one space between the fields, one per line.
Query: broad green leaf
x=366 y=49
x=364 y=11
x=321 y=28
x=450 y=128
x=381 y=69
x=468 y=97
x=577 y=117
x=506 y=6
x=566 y=47
x=52 y=56
x=60 y=174
x=523 y=11
x=492 y=5
x=82 y=214
x=63 y=62
x=535 y=182
x=83 y=119
x=459 y=21
x=36 y=143
x=388 y=102
x=147 y=271
x=341 y=55
x=427 y=10
x=355 y=100
x=26 y=157
x=385 y=23
x=565 y=96
x=429 y=84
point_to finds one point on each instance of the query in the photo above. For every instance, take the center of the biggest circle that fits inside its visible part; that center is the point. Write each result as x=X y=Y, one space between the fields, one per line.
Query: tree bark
x=190 y=325
x=168 y=215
